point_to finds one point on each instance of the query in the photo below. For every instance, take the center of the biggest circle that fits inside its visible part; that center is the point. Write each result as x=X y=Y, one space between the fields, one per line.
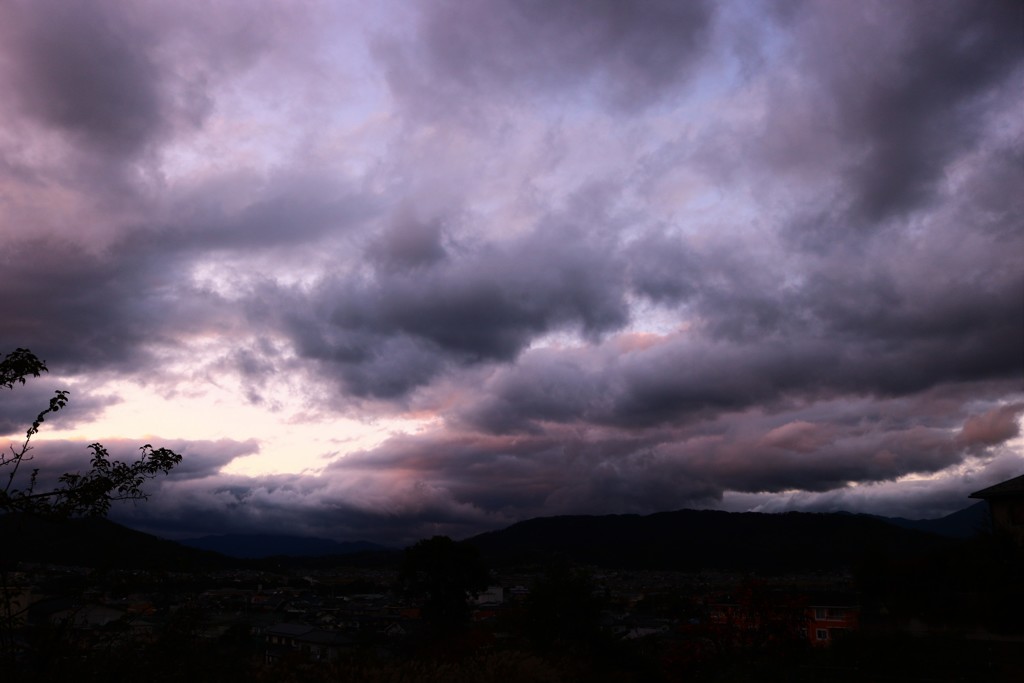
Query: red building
x=771 y=616
x=831 y=618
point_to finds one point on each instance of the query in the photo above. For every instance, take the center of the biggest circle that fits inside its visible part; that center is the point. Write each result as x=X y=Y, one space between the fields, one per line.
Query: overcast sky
x=389 y=269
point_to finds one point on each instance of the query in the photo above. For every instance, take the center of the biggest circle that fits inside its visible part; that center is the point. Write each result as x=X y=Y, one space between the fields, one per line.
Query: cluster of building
x=320 y=616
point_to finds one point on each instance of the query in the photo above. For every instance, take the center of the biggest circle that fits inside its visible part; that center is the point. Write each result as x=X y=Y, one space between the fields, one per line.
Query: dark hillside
x=703 y=539
x=967 y=523
x=96 y=542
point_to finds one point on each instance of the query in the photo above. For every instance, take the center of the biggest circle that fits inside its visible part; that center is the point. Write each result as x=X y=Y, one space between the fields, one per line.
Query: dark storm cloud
x=916 y=500
x=736 y=295
x=96 y=93
x=814 y=446
x=922 y=498
x=246 y=213
x=391 y=331
x=302 y=506
x=848 y=456
x=441 y=481
x=408 y=243
x=106 y=75
x=787 y=450
x=80 y=310
x=109 y=307
x=685 y=376
x=85 y=68
x=97 y=257
x=903 y=87
x=665 y=269
x=635 y=53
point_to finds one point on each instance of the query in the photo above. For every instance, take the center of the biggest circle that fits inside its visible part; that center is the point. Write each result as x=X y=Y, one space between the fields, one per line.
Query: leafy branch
x=76 y=494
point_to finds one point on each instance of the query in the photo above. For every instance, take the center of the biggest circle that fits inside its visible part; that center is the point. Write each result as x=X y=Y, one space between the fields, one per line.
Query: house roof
x=289 y=629
x=322 y=637
x=1010 y=487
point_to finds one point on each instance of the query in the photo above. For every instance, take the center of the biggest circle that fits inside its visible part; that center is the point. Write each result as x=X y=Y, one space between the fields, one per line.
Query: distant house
x=88 y=617
x=285 y=639
x=831 y=618
x=819 y=617
x=494 y=595
x=1006 y=506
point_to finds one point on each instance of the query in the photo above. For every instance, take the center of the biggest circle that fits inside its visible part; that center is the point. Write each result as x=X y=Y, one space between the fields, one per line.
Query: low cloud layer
x=563 y=257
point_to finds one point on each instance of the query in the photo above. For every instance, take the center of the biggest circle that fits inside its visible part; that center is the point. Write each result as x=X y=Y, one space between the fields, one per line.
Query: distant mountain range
x=255 y=546
x=706 y=539
x=685 y=539
x=965 y=523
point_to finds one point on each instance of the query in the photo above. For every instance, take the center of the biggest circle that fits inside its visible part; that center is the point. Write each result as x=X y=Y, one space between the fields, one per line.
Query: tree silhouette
x=75 y=494
x=564 y=609
x=443 y=574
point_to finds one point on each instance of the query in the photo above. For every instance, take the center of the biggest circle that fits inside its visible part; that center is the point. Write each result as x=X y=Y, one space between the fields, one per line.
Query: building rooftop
x=1010 y=487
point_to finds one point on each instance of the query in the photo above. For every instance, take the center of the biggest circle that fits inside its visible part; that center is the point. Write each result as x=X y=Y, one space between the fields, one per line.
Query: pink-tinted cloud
x=991 y=428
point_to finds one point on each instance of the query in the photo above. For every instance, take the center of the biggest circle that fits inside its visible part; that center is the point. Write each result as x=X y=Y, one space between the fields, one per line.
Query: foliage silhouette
x=443 y=574
x=76 y=494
